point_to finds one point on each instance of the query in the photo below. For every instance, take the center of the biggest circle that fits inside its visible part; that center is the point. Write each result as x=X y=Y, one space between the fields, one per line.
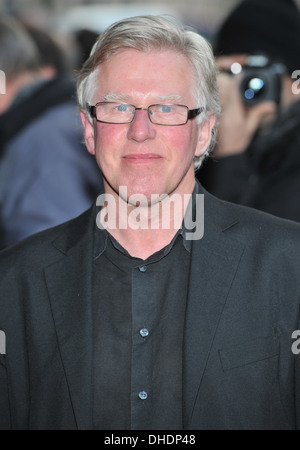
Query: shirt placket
x=143 y=313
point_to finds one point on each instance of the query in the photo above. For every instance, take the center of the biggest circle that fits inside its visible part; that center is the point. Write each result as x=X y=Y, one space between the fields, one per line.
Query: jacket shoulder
x=46 y=246
x=249 y=224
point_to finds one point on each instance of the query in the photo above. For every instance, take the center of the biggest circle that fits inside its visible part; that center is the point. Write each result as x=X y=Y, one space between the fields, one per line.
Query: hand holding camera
x=250 y=91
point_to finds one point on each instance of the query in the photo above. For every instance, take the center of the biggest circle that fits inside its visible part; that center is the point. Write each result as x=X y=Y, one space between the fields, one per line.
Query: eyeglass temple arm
x=194 y=112
x=91 y=109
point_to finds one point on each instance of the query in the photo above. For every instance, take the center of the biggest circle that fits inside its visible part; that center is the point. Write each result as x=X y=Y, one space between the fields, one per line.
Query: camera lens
x=260 y=82
x=253 y=88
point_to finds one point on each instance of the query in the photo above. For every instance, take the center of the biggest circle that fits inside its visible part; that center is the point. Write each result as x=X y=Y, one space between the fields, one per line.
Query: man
x=120 y=319
x=36 y=191
x=256 y=161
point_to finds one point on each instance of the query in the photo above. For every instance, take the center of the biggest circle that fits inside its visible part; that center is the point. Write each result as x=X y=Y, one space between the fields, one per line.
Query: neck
x=143 y=229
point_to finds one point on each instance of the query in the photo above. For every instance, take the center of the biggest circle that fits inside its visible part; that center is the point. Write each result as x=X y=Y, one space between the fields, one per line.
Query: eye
x=123 y=107
x=165 y=108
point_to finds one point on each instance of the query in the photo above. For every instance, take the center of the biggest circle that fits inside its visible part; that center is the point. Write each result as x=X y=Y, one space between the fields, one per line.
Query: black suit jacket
x=239 y=371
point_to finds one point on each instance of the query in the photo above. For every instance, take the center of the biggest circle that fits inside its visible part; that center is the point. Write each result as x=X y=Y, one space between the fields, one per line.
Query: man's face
x=147 y=158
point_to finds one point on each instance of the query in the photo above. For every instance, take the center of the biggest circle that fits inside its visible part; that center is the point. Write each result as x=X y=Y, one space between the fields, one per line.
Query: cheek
x=106 y=134
x=182 y=142
x=108 y=141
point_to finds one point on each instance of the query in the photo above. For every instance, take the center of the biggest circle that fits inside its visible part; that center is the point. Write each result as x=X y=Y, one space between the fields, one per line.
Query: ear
x=204 y=138
x=89 y=133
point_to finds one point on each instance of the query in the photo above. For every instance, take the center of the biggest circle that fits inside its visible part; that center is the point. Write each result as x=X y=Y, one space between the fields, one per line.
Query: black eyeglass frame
x=191 y=113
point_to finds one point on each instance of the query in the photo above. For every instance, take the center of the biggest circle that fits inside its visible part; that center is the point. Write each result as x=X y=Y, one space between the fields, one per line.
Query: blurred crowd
x=47 y=176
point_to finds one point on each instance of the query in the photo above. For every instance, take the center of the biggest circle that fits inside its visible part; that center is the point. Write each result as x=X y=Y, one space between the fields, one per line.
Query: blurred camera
x=260 y=81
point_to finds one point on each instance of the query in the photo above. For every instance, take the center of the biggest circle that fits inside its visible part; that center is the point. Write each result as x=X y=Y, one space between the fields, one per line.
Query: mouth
x=142 y=158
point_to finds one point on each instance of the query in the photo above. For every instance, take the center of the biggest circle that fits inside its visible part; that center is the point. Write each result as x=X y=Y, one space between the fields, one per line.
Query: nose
x=141 y=128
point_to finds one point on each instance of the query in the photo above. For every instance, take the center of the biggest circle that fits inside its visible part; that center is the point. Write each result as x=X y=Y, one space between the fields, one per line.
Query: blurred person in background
x=46 y=176
x=84 y=39
x=52 y=59
x=256 y=161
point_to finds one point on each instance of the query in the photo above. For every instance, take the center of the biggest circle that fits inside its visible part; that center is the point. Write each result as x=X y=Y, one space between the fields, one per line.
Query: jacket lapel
x=69 y=287
x=214 y=263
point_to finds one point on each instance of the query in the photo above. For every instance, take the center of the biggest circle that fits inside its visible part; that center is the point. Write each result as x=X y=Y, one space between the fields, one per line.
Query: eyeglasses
x=119 y=113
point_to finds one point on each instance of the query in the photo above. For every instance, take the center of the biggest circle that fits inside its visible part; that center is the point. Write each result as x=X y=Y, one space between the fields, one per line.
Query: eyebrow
x=164 y=98
x=116 y=97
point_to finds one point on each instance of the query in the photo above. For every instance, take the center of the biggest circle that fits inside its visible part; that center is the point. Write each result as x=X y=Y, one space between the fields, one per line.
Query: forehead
x=158 y=73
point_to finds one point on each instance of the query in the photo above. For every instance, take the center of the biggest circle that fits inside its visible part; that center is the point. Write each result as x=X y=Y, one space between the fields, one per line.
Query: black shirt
x=139 y=312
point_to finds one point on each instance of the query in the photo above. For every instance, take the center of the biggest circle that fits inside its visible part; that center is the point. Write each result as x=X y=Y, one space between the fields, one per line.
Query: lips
x=142 y=156
x=142 y=159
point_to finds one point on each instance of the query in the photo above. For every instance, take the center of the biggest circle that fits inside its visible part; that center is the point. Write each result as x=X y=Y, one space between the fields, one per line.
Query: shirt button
x=144 y=332
x=143 y=395
x=142 y=268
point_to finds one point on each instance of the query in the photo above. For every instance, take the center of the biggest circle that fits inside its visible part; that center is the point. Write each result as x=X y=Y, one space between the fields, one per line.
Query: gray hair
x=146 y=33
x=18 y=52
